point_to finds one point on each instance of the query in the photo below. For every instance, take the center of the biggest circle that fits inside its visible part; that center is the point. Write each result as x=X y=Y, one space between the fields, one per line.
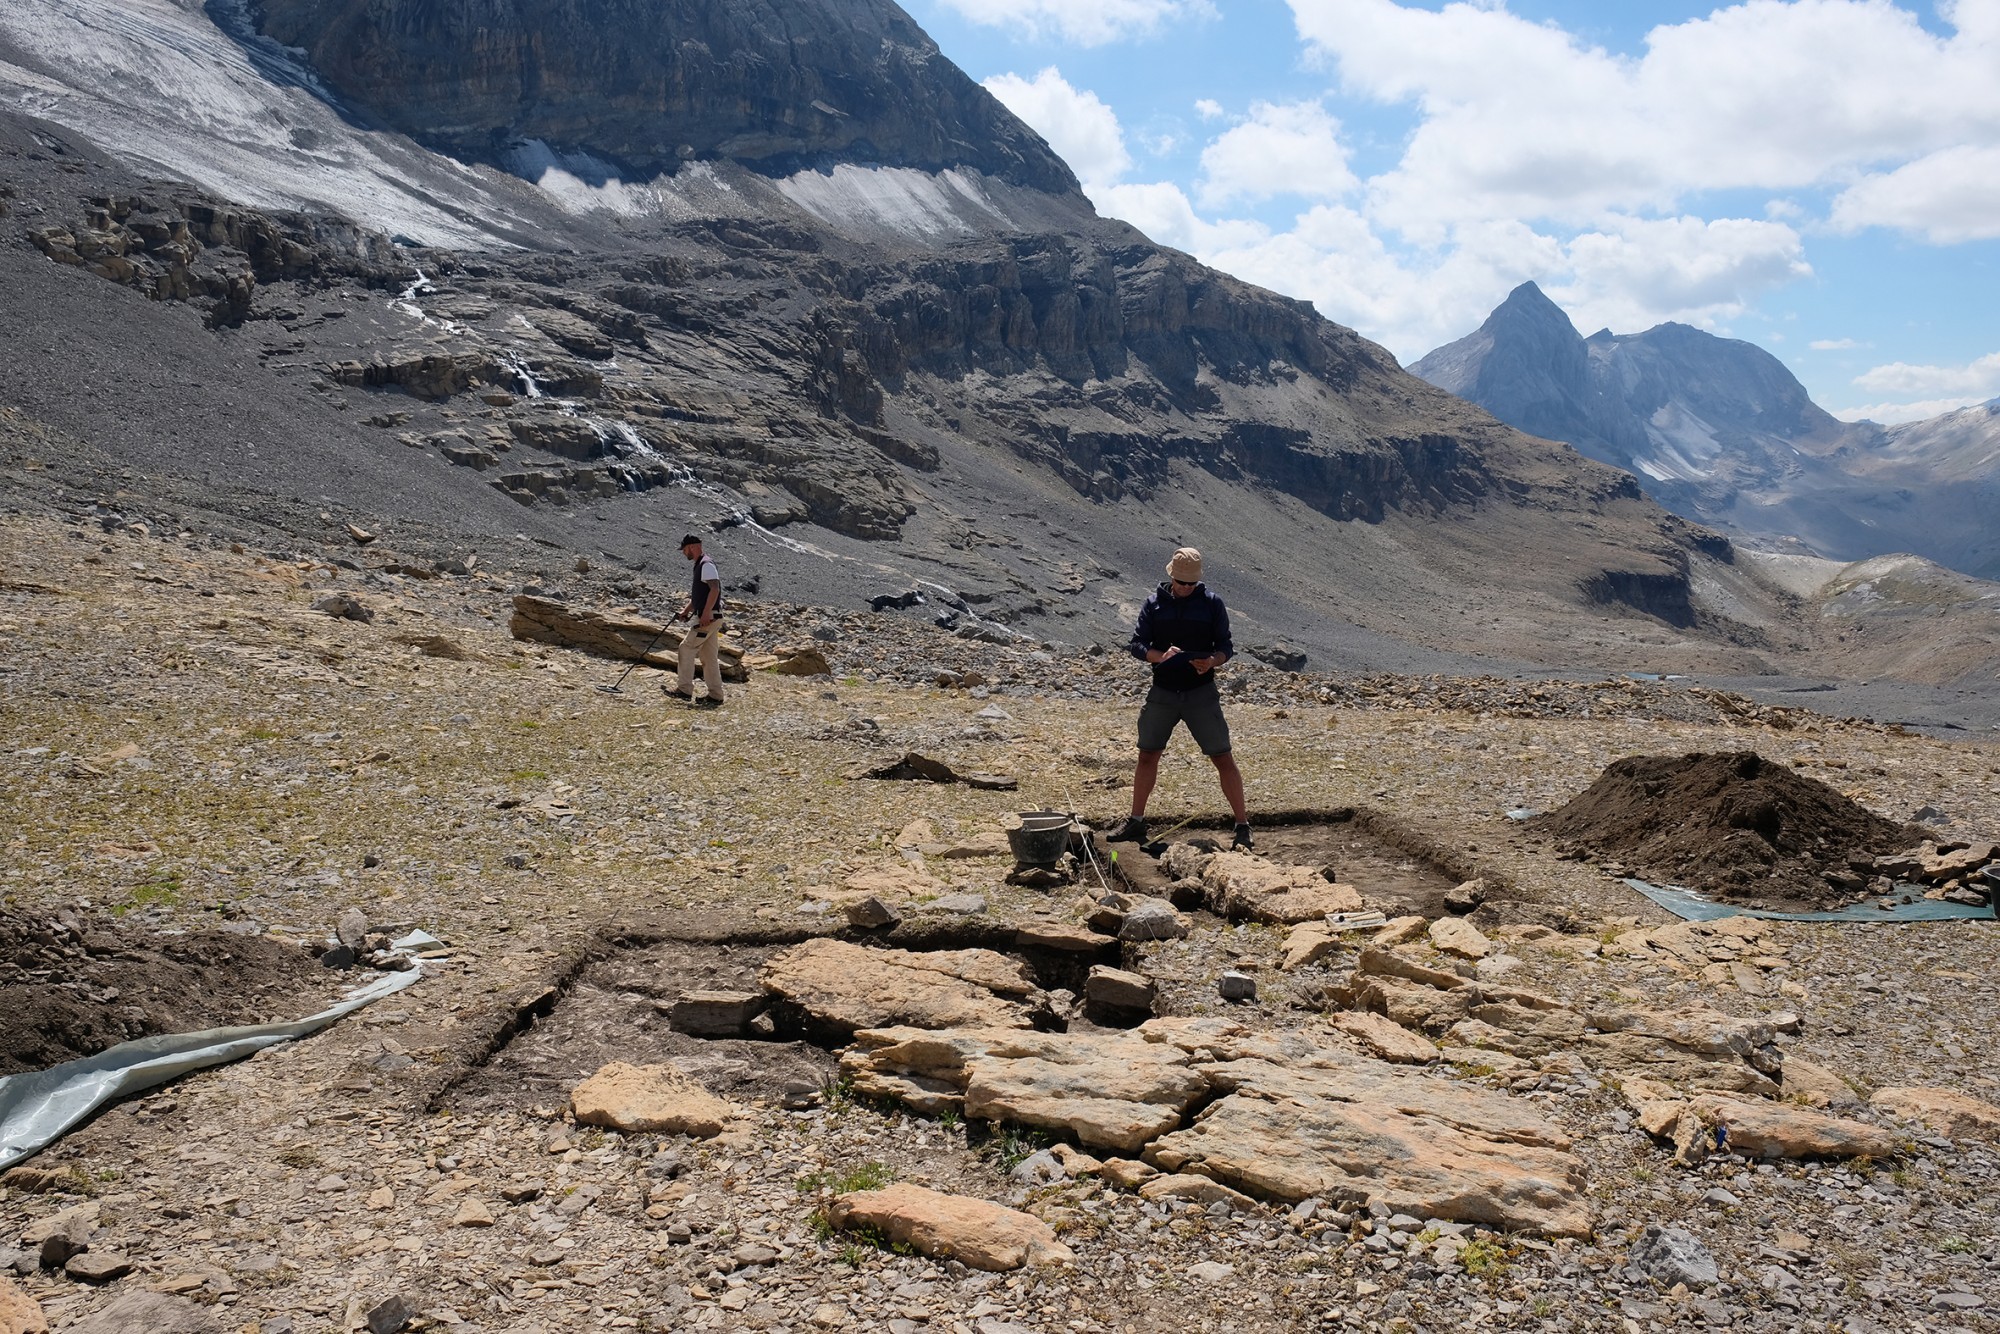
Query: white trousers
x=708 y=644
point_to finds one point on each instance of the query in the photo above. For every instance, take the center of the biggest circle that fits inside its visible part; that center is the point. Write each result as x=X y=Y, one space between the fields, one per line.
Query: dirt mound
x=1733 y=825
x=70 y=986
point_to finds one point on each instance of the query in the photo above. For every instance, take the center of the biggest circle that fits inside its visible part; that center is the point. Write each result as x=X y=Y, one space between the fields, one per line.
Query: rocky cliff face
x=1719 y=431
x=645 y=85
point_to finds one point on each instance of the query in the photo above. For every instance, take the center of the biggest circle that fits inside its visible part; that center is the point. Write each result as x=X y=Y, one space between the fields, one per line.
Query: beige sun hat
x=1185 y=566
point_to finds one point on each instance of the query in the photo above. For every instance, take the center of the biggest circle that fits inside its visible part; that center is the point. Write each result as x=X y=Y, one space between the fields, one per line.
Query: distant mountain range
x=1717 y=430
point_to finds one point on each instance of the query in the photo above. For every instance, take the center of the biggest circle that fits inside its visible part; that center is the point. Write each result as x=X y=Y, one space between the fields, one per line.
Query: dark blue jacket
x=1198 y=624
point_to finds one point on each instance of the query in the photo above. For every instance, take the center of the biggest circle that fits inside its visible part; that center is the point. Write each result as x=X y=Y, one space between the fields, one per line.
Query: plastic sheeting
x=1687 y=904
x=40 y=1107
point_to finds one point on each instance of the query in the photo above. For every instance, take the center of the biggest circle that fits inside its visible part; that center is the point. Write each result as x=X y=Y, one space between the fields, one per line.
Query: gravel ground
x=185 y=743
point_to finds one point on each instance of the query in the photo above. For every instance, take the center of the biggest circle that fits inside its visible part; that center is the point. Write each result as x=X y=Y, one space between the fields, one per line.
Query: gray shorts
x=1200 y=709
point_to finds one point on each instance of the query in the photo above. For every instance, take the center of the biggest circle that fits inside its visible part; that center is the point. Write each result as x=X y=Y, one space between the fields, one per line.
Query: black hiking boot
x=1241 y=843
x=1131 y=830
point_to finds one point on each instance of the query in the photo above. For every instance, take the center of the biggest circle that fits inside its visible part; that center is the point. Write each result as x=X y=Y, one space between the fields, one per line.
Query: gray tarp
x=38 y=1108
x=1692 y=906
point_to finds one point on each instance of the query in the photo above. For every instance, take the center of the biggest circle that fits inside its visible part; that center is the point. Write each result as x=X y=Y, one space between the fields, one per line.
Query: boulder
x=842 y=987
x=1455 y=935
x=976 y=1233
x=1944 y=1110
x=871 y=913
x=1242 y=885
x=609 y=634
x=1398 y=930
x=1779 y=1130
x=1062 y=937
x=1384 y=1037
x=1152 y=919
x=343 y=607
x=790 y=660
x=659 y=1099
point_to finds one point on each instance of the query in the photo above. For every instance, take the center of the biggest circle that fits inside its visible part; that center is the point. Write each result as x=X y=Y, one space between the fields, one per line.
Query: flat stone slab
x=847 y=987
x=649 y=1098
x=976 y=1233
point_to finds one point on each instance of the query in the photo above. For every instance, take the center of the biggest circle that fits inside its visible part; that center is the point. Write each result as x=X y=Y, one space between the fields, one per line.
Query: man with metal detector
x=1183 y=632
x=703 y=638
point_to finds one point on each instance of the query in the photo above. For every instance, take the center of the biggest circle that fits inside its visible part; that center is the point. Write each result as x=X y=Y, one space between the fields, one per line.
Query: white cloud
x=1832 y=344
x=1084 y=131
x=1639 y=271
x=1282 y=149
x=1891 y=413
x=1084 y=22
x=1208 y=108
x=1521 y=119
x=1951 y=195
x=1980 y=379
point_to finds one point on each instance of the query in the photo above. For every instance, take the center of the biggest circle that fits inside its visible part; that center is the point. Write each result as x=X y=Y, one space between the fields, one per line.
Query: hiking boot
x=708 y=702
x=1131 y=830
x=680 y=695
x=1241 y=843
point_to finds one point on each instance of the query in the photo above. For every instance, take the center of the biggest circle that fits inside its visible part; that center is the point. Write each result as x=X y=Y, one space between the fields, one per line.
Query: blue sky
x=1820 y=177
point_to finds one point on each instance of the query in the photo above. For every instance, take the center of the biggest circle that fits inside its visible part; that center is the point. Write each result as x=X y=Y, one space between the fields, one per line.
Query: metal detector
x=613 y=688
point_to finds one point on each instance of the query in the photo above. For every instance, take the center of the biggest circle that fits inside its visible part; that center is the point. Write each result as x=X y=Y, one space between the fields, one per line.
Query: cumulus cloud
x=1639 y=271
x=1973 y=381
x=1288 y=149
x=1083 y=22
x=1947 y=196
x=1208 y=108
x=1518 y=118
x=1832 y=344
x=1083 y=131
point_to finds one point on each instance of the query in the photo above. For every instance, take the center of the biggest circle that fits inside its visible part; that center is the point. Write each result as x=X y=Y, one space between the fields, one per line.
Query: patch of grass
x=1485 y=1257
x=1014 y=1145
x=866 y=1176
x=1642 y=1174
x=528 y=775
x=837 y=1092
x=162 y=891
x=950 y=1119
x=1957 y=1246
x=262 y=734
x=852 y=1255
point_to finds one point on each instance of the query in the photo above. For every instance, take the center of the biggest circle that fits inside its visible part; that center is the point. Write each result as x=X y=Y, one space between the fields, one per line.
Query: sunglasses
x=1186 y=583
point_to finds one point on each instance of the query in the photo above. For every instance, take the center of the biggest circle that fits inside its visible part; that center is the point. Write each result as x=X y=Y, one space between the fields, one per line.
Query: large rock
x=1114 y=1091
x=148 y=1313
x=1758 y=1129
x=610 y=634
x=1299 y=1122
x=1944 y=1110
x=20 y=1313
x=841 y=987
x=1242 y=885
x=1384 y=1037
x=1455 y=935
x=659 y=1099
x=976 y=1233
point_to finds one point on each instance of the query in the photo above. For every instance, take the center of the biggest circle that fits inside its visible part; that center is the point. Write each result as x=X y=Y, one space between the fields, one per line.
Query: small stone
x=521 y=1192
x=1211 y=1271
x=1957 y=1301
x=352 y=930
x=1670 y=1255
x=1236 y=986
x=342 y=607
x=390 y=1315
x=752 y=1254
x=20 y=1313
x=1467 y=897
x=382 y=1197
x=715 y=1014
x=871 y=913
x=472 y=1212
x=1720 y=1198
x=1152 y=919
x=964 y=905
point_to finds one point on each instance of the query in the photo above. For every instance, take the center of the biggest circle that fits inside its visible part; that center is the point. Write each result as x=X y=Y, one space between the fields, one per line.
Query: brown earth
x=1732 y=824
x=72 y=986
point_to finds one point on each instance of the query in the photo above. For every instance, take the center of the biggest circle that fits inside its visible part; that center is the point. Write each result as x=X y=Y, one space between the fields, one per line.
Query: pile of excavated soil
x=71 y=986
x=1733 y=825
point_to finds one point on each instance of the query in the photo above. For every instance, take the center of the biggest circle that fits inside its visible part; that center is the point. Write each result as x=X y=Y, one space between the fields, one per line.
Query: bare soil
x=1734 y=825
x=71 y=987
